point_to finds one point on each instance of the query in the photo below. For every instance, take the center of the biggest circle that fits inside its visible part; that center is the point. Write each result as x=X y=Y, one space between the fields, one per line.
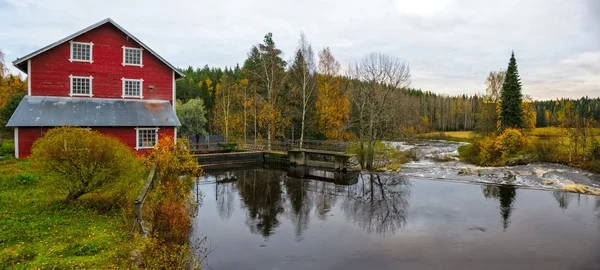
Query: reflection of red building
x=102 y=78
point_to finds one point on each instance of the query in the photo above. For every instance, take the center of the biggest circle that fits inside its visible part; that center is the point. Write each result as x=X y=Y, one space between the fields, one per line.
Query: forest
x=326 y=101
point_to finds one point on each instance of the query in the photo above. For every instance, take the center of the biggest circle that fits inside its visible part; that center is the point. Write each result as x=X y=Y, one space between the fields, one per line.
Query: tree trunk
x=245 y=114
x=371 y=146
x=302 y=126
x=74 y=195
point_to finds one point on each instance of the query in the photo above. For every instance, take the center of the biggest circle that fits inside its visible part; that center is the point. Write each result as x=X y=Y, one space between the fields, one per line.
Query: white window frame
x=137 y=138
x=91 y=44
x=71 y=77
x=141 y=50
x=141 y=96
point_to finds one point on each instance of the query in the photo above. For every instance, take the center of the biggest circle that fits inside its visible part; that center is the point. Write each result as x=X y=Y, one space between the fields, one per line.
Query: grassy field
x=7 y=147
x=460 y=136
x=39 y=230
x=544 y=132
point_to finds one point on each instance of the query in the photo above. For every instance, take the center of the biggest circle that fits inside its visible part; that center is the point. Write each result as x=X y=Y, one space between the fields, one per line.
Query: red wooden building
x=102 y=78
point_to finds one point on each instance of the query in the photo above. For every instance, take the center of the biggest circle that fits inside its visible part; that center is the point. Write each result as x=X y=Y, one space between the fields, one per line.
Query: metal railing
x=286 y=145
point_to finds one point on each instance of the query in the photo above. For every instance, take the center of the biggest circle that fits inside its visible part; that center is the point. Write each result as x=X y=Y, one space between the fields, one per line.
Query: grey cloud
x=450 y=49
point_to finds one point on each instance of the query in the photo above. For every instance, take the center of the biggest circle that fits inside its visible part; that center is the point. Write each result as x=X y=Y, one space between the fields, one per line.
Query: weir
x=335 y=161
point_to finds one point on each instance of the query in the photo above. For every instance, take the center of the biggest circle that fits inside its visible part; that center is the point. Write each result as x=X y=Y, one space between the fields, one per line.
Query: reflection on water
x=262 y=197
x=377 y=203
x=267 y=219
x=506 y=196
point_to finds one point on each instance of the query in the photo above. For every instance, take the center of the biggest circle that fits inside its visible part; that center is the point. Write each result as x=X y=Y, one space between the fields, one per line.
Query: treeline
x=548 y=111
x=309 y=98
x=422 y=110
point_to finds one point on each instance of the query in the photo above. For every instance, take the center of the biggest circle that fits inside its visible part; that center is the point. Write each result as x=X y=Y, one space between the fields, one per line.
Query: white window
x=132 y=88
x=81 y=52
x=132 y=56
x=81 y=86
x=146 y=138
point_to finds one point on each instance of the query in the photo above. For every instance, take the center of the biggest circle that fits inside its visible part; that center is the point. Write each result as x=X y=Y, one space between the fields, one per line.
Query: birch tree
x=302 y=74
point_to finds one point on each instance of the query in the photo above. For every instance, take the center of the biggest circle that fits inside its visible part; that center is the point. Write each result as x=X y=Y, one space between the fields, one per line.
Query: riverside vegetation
x=50 y=217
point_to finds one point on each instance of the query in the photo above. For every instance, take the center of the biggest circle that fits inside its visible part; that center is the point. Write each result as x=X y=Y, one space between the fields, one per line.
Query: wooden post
x=141 y=198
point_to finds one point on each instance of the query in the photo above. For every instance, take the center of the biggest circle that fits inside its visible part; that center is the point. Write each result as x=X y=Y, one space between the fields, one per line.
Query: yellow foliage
x=332 y=107
x=10 y=86
x=529 y=114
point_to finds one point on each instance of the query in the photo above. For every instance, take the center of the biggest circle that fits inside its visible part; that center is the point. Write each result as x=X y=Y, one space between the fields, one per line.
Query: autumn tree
x=568 y=119
x=332 y=105
x=529 y=114
x=302 y=77
x=224 y=96
x=511 y=112
x=378 y=78
x=266 y=70
x=493 y=83
x=487 y=122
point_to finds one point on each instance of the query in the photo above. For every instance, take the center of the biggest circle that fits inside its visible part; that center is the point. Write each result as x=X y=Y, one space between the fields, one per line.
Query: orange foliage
x=332 y=107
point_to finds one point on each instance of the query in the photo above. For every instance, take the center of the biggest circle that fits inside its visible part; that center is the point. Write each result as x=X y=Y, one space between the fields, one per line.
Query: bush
x=510 y=143
x=228 y=146
x=7 y=147
x=171 y=205
x=495 y=151
x=82 y=161
x=545 y=149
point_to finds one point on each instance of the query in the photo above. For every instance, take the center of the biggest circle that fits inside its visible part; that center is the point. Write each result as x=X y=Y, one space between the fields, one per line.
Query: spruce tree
x=511 y=112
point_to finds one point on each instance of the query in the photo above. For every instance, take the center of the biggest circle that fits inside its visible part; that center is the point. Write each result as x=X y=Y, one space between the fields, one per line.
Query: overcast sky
x=451 y=45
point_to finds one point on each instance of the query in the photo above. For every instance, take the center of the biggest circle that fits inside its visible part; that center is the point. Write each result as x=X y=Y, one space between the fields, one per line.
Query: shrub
x=494 y=151
x=545 y=149
x=510 y=143
x=228 y=146
x=82 y=161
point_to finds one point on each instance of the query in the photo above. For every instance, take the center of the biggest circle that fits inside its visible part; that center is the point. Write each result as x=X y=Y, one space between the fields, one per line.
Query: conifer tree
x=511 y=112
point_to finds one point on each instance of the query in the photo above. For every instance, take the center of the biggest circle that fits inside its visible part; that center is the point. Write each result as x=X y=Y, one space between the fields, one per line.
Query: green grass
x=7 y=147
x=38 y=229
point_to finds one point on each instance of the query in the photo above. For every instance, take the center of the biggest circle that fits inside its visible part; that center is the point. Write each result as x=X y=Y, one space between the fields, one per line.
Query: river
x=430 y=215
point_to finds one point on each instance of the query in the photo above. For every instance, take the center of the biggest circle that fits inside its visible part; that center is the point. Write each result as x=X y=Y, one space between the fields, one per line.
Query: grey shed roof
x=35 y=111
x=19 y=62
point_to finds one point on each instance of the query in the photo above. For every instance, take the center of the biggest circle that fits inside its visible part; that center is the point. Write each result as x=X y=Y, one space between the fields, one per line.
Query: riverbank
x=38 y=229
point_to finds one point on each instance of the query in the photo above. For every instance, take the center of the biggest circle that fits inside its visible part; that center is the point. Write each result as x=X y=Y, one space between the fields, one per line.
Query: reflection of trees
x=378 y=203
x=325 y=198
x=597 y=207
x=506 y=195
x=225 y=193
x=563 y=198
x=261 y=194
x=300 y=203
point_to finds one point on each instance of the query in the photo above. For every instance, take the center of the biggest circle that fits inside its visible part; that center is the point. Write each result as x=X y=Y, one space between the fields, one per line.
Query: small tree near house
x=80 y=161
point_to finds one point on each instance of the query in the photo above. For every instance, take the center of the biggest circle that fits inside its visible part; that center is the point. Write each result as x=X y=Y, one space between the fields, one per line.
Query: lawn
x=38 y=229
x=7 y=147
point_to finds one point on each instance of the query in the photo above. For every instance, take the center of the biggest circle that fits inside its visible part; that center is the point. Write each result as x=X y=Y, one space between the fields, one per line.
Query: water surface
x=265 y=219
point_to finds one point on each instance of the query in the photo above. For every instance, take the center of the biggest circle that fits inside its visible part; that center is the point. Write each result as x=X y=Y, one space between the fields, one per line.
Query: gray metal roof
x=19 y=61
x=35 y=111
